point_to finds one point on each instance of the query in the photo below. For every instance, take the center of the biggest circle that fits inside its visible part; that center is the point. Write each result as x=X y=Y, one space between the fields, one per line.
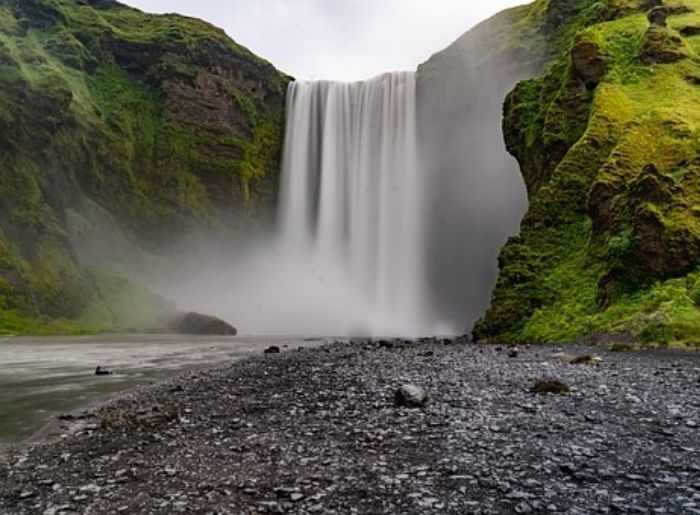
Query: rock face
x=199 y=324
x=126 y=129
x=607 y=140
x=588 y=62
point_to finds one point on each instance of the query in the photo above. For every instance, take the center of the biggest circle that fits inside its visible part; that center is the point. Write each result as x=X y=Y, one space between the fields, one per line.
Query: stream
x=43 y=377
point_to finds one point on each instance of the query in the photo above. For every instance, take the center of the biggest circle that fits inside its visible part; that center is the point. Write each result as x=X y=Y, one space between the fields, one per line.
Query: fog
x=478 y=197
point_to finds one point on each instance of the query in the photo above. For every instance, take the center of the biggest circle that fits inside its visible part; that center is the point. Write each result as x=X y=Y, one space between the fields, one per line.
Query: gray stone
x=410 y=396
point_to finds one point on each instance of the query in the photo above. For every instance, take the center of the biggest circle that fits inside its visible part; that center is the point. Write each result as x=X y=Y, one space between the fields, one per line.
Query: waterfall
x=350 y=203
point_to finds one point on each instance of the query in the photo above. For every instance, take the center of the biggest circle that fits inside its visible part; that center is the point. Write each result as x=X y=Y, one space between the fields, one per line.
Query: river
x=43 y=377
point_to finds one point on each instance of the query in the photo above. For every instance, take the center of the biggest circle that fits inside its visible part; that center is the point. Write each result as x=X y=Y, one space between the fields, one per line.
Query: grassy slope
x=610 y=242
x=103 y=109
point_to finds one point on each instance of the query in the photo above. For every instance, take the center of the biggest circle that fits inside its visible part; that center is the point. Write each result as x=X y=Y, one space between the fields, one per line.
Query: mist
x=393 y=209
x=477 y=197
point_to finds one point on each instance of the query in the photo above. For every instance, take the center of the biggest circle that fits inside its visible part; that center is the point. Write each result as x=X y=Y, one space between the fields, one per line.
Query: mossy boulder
x=198 y=324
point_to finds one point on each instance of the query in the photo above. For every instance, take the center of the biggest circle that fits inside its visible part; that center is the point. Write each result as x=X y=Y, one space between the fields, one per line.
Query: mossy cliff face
x=115 y=120
x=608 y=140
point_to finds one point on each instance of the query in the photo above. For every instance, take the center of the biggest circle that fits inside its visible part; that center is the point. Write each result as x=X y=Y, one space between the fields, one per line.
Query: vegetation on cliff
x=608 y=140
x=115 y=122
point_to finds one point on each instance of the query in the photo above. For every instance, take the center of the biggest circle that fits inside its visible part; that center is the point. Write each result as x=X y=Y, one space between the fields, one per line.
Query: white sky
x=338 y=39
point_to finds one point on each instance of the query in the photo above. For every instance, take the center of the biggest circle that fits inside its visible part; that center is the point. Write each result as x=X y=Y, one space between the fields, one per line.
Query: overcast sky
x=338 y=39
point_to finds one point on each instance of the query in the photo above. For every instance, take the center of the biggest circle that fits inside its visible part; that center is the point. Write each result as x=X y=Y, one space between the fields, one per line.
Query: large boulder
x=199 y=324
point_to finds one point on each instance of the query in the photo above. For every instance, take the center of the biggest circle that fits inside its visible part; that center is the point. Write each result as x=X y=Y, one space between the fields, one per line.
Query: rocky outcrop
x=606 y=139
x=124 y=131
x=588 y=62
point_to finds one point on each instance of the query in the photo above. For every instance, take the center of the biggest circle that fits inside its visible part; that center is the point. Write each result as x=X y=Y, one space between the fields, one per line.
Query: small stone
x=410 y=396
x=550 y=385
x=90 y=489
x=274 y=349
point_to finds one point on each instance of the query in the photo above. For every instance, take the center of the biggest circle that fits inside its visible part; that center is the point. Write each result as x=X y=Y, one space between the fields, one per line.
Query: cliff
x=120 y=129
x=607 y=142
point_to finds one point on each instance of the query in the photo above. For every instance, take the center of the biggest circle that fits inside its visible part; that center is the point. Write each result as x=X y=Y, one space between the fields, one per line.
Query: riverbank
x=44 y=377
x=316 y=430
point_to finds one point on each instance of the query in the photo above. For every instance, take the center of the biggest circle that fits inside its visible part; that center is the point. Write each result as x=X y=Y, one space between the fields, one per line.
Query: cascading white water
x=350 y=208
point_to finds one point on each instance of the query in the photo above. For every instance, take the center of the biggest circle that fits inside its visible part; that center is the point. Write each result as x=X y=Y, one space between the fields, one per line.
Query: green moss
x=101 y=104
x=611 y=242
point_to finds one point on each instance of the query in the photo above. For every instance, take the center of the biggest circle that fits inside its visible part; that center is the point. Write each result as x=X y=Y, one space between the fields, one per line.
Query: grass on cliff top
x=133 y=25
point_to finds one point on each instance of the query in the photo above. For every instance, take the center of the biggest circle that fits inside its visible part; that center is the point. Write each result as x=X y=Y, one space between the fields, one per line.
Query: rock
x=663 y=46
x=410 y=396
x=198 y=324
x=274 y=349
x=550 y=385
x=513 y=353
x=90 y=489
x=270 y=507
x=99 y=371
x=657 y=16
x=689 y=31
x=588 y=61
x=586 y=360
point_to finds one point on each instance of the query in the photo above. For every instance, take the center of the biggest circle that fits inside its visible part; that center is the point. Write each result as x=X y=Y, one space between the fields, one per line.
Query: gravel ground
x=316 y=431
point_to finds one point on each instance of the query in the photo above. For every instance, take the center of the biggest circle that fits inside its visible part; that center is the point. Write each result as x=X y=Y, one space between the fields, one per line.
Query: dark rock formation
x=588 y=62
x=664 y=45
x=550 y=385
x=198 y=324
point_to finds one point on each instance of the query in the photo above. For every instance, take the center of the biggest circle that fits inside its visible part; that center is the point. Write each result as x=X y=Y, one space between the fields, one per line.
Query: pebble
x=315 y=432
